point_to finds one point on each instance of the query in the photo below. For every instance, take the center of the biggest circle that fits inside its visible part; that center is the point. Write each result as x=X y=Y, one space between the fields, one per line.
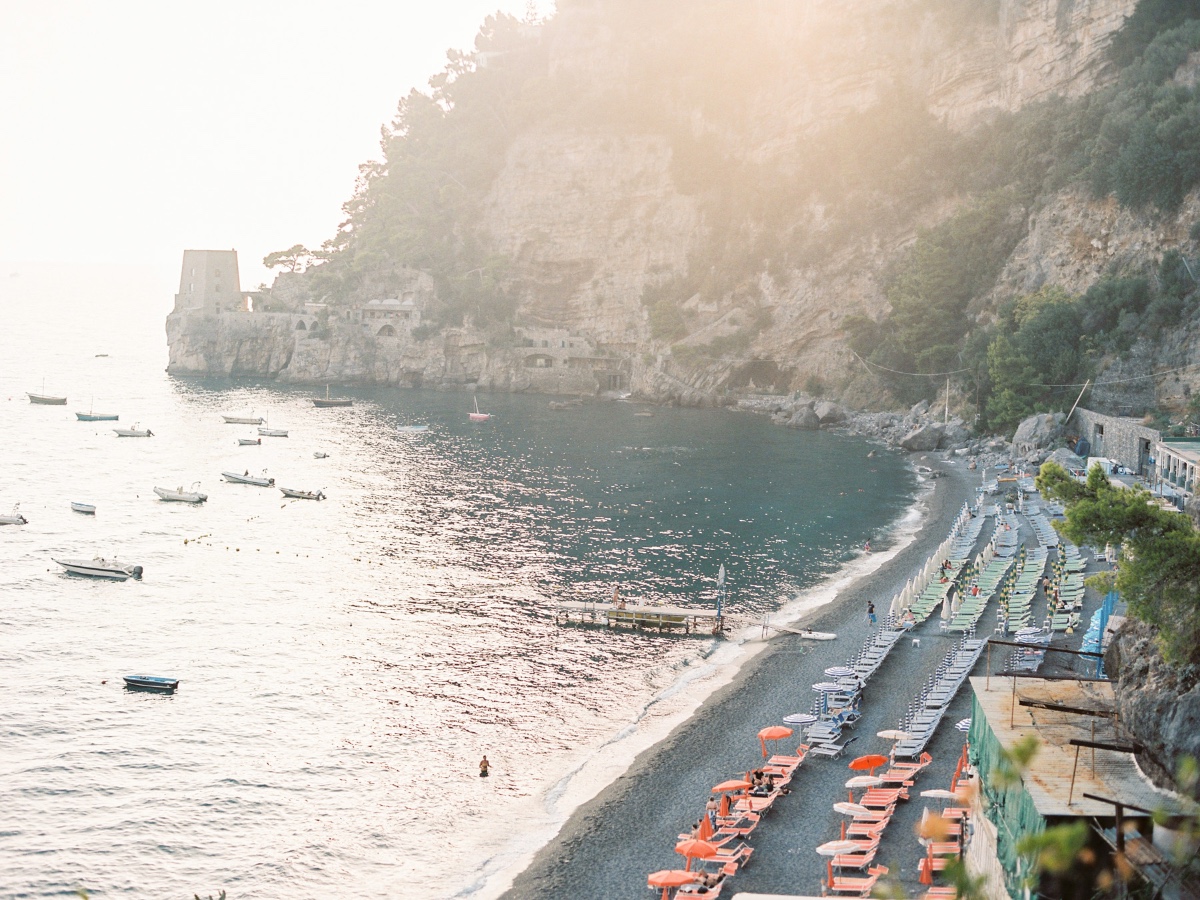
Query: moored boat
x=179 y=495
x=302 y=495
x=243 y=420
x=46 y=399
x=273 y=432
x=88 y=509
x=14 y=518
x=412 y=429
x=150 y=682
x=99 y=567
x=329 y=401
x=133 y=432
x=319 y=455
x=247 y=478
x=247 y=442
x=97 y=417
x=477 y=416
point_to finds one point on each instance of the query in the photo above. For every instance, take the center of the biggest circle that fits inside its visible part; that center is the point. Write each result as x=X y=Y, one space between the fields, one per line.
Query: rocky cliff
x=607 y=195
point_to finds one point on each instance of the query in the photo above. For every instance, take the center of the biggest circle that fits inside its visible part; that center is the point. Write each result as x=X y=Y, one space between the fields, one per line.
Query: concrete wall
x=1125 y=440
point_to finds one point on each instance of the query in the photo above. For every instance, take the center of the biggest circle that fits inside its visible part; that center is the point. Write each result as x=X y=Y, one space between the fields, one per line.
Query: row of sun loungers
x=931 y=704
x=1017 y=606
x=972 y=606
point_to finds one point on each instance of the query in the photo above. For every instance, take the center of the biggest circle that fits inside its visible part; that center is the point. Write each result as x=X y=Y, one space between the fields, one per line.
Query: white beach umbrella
x=864 y=781
x=897 y=607
x=947 y=611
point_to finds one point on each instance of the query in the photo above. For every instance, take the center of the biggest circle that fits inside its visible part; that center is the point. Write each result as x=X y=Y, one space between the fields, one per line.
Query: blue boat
x=151 y=682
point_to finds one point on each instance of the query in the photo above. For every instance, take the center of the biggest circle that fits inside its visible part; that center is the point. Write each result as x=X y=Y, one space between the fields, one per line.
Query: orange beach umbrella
x=669 y=878
x=870 y=763
x=723 y=808
x=737 y=784
x=772 y=733
x=695 y=849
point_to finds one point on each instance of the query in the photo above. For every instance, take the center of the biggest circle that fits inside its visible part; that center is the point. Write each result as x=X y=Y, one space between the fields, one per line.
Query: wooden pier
x=664 y=618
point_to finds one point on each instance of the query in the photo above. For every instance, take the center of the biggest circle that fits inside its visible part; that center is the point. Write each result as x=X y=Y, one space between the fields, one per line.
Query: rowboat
x=246 y=442
x=179 y=495
x=477 y=416
x=133 y=432
x=412 y=429
x=97 y=417
x=243 y=420
x=88 y=509
x=246 y=478
x=272 y=432
x=14 y=518
x=100 y=568
x=150 y=683
x=327 y=402
x=302 y=495
x=46 y=400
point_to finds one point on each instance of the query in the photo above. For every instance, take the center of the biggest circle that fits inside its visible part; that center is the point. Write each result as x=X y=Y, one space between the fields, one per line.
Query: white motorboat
x=246 y=478
x=320 y=455
x=249 y=442
x=302 y=495
x=243 y=420
x=14 y=518
x=179 y=495
x=100 y=568
x=273 y=432
x=88 y=509
x=412 y=429
x=133 y=432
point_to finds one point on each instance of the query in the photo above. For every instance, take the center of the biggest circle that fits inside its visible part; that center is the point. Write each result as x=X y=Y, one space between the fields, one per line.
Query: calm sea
x=345 y=664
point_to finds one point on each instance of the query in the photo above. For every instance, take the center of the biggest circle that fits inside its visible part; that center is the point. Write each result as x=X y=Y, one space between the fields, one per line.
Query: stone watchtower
x=209 y=283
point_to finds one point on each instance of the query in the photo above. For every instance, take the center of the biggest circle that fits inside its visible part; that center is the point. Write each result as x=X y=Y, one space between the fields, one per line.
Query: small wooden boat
x=14 y=517
x=133 y=432
x=101 y=568
x=320 y=455
x=477 y=416
x=411 y=429
x=243 y=420
x=302 y=495
x=328 y=401
x=97 y=417
x=272 y=432
x=46 y=400
x=150 y=683
x=179 y=495
x=247 y=478
x=247 y=442
x=644 y=413
x=88 y=509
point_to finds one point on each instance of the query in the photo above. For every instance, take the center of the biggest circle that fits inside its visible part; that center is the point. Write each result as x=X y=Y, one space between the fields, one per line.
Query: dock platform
x=705 y=621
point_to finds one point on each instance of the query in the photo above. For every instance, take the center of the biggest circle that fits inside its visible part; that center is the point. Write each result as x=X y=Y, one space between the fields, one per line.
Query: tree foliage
x=1159 y=573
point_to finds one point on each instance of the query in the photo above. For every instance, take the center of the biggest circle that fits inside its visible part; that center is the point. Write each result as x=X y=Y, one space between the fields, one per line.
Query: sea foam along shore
x=598 y=767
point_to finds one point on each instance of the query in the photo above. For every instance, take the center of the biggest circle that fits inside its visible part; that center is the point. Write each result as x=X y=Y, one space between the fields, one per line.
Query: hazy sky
x=132 y=129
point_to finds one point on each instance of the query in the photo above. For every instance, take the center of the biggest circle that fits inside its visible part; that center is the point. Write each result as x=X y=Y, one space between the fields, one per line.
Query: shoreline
x=638 y=793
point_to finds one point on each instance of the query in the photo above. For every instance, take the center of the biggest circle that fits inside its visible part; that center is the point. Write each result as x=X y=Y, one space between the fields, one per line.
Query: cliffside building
x=209 y=283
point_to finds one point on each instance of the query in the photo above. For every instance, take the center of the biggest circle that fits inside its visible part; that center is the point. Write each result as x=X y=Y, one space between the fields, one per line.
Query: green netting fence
x=1008 y=807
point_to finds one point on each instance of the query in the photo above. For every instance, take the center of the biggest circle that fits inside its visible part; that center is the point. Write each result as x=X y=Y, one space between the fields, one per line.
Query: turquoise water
x=344 y=664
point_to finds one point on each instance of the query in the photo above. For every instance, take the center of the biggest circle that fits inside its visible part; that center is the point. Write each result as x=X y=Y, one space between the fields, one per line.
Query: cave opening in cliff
x=763 y=375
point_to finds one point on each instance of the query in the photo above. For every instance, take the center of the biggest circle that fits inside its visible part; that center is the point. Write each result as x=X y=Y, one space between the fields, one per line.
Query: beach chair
x=831 y=749
x=865 y=828
x=859 y=887
x=858 y=861
x=790 y=762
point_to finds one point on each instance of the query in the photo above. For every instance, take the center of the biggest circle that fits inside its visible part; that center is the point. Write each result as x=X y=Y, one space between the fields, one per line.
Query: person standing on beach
x=484 y=765
x=871 y=612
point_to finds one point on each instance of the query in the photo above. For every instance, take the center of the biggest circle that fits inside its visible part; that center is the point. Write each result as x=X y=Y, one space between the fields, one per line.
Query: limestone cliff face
x=590 y=213
x=1156 y=702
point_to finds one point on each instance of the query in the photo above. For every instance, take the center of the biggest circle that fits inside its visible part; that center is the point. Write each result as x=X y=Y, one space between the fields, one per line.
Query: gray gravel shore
x=609 y=845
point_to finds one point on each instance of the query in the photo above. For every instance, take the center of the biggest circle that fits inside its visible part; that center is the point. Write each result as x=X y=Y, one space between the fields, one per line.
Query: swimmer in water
x=484 y=765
